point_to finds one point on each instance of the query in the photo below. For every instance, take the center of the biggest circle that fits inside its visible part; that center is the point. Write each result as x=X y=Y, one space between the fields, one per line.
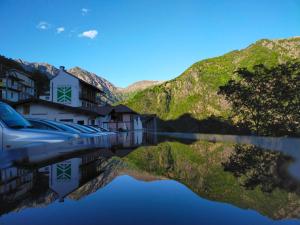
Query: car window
x=77 y=127
x=64 y=127
x=40 y=125
x=11 y=118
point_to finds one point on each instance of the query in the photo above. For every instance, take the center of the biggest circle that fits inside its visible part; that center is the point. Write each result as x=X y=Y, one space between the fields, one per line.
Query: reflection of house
x=119 y=117
x=64 y=177
x=72 y=178
x=15 y=85
x=14 y=182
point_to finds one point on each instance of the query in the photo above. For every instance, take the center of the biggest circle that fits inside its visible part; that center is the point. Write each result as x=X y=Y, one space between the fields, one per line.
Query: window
x=67 y=120
x=11 y=95
x=81 y=122
x=11 y=118
x=42 y=126
x=26 y=109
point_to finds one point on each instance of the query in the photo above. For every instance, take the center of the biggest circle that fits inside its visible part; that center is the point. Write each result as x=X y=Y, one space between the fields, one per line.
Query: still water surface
x=139 y=178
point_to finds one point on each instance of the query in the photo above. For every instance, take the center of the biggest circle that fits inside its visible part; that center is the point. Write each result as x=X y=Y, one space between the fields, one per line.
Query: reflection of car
x=57 y=126
x=16 y=131
x=100 y=129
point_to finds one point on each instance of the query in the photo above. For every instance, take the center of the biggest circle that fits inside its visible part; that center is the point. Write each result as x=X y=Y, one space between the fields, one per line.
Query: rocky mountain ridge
x=113 y=93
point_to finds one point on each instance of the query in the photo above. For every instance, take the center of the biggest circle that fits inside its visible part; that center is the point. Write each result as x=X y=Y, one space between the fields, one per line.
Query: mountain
x=134 y=88
x=111 y=91
x=44 y=68
x=194 y=92
x=114 y=94
x=140 y=85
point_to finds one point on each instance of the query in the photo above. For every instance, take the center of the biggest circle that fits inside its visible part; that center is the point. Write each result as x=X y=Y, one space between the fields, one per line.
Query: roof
x=56 y=105
x=83 y=81
x=107 y=109
x=123 y=109
x=104 y=110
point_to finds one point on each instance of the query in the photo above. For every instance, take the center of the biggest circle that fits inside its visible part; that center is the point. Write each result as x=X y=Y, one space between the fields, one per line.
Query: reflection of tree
x=256 y=167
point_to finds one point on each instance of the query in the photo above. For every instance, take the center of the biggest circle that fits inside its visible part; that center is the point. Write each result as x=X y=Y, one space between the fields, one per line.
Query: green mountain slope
x=195 y=90
x=200 y=167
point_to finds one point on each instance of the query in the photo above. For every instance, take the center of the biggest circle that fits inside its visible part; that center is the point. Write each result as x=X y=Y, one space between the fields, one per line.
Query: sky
x=126 y=41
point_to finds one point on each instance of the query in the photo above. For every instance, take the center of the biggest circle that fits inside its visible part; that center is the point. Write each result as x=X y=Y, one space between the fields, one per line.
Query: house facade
x=67 y=89
x=16 y=85
x=119 y=118
x=70 y=100
x=37 y=108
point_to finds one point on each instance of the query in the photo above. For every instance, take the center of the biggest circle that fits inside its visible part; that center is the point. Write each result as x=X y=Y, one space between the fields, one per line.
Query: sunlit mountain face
x=144 y=178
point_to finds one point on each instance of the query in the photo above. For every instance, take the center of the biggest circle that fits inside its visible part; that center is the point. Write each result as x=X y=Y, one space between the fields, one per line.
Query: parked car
x=45 y=124
x=100 y=129
x=16 y=131
x=84 y=129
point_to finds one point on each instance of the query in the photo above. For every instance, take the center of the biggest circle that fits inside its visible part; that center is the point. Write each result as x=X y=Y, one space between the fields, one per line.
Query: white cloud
x=89 y=34
x=43 y=25
x=60 y=29
x=84 y=11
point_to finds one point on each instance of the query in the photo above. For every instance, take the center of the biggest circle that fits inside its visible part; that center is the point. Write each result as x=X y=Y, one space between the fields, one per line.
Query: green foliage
x=200 y=166
x=267 y=100
x=195 y=90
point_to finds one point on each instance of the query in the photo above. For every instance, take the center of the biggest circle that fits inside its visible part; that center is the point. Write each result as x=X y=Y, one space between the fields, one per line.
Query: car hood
x=46 y=133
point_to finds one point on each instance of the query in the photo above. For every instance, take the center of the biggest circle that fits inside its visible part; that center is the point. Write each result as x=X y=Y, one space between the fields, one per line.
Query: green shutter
x=63 y=171
x=64 y=94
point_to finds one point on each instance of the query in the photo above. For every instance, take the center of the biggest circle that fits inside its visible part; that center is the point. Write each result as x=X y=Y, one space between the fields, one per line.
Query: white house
x=119 y=117
x=71 y=100
x=67 y=89
x=38 y=108
x=74 y=100
x=16 y=85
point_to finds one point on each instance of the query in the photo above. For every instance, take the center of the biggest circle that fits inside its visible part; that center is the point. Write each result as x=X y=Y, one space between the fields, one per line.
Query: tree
x=266 y=100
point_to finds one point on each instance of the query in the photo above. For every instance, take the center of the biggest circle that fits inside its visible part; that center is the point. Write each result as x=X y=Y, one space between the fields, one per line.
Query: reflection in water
x=266 y=169
x=245 y=176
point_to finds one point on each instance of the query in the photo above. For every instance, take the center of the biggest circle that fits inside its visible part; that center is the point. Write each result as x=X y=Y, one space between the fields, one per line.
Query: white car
x=17 y=132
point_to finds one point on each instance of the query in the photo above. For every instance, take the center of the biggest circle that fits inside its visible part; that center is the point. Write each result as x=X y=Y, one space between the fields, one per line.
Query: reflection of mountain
x=200 y=167
x=241 y=175
x=73 y=178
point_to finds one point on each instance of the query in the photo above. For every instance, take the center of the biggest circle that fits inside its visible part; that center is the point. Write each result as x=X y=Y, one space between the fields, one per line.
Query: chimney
x=62 y=68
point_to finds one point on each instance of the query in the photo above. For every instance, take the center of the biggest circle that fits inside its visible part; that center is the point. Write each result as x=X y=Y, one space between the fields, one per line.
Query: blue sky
x=129 y=40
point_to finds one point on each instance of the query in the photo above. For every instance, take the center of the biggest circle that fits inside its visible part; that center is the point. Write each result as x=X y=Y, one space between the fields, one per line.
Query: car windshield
x=11 y=118
x=42 y=125
x=64 y=127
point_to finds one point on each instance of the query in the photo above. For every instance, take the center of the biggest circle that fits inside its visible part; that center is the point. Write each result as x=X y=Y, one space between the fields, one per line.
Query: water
x=138 y=178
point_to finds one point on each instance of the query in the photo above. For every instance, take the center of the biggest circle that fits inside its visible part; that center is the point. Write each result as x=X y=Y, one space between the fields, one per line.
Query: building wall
x=19 y=90
x=102 y=121
x=10 y=95
x=65 y=80
x=47 y=112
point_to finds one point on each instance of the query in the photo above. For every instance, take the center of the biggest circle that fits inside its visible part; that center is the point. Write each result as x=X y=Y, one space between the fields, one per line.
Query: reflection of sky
x=128 y=201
